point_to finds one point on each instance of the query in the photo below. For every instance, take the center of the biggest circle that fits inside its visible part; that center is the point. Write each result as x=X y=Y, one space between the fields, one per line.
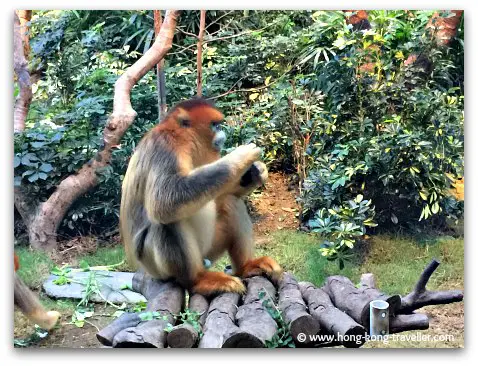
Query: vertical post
x=202 y=25
x=161 y=78
x=379 y=318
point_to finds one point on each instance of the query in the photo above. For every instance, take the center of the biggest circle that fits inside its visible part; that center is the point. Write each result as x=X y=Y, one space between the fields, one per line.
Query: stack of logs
x=338 y=310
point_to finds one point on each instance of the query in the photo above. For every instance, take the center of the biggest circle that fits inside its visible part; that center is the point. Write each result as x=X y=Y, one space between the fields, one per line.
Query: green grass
x=396 y=262
x=107 y=256
x=35 y=266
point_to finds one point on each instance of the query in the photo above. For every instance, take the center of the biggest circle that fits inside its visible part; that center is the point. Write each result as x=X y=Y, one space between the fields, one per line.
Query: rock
x=110 y=284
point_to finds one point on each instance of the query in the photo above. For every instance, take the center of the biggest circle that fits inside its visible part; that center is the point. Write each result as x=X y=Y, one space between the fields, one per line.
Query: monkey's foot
x=262 y=266
x=210 y=283
x=46 y=320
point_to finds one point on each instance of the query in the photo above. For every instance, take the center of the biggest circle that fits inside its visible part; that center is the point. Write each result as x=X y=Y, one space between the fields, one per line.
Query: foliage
x=282 y=338
x=373 y=139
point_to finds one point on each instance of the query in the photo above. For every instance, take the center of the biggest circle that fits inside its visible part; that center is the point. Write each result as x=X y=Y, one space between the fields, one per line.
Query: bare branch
x=199 y=52
x=42 y=231
x=20 y=67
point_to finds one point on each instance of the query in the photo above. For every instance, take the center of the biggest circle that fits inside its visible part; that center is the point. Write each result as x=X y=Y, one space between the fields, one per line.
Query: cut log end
x=243 y=340
x=305 y=324
x=183 y=336
x=354 y=337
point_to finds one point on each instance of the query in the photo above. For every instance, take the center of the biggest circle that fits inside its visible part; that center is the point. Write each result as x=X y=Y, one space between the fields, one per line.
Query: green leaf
x=253 y=96
x=33 y=177
x=46 y=167
x=394 y=219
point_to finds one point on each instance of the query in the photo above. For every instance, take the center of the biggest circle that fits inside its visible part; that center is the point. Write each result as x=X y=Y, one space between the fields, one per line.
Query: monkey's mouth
x=219 y=140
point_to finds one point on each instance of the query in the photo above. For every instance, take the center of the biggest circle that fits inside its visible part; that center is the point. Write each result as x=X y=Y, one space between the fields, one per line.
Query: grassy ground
x=395 y=261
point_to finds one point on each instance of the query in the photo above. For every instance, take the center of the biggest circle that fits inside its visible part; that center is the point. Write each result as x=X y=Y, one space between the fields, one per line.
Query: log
x=294 y=310
x=186 y=335
x=149 y=334
x=337 y=309
x=406 y=322
x=126 y=320
x=256 y=324
x=421 y=297
x=165 y=299
x=355 y=301
x=220 y=320
x=346 y=331
x=368 y=285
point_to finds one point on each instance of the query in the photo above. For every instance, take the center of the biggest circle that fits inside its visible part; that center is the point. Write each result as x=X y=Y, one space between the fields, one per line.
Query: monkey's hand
x=255 y=176
x=242 y=158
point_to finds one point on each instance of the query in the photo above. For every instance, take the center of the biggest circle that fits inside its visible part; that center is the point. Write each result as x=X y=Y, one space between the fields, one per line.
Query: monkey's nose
x=219 y=140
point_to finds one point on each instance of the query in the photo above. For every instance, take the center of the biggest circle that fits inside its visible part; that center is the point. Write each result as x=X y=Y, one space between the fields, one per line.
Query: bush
x=374 y=142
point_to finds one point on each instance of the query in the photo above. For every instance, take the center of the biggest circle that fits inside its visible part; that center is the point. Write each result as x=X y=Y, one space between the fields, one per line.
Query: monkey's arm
x=170 y=198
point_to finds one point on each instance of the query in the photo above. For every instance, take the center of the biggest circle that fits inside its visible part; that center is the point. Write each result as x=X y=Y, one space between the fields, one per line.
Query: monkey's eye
x=183 y=122
x=215 y=125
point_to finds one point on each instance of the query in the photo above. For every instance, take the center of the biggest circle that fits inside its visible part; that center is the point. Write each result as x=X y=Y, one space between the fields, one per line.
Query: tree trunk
x=20 y=66
x=202 y=25
x=161 y=79
x=43 y=227
x=25 y=17
x=358 y=19
x=445 y=28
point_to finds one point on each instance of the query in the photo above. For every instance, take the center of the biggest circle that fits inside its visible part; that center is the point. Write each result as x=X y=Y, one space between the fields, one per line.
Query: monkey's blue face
x=219 y=136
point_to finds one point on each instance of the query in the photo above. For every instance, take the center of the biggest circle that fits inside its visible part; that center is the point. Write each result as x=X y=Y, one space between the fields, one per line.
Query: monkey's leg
x=31 y=307
x=174 y=251
x=207 y=282
x=241 y=245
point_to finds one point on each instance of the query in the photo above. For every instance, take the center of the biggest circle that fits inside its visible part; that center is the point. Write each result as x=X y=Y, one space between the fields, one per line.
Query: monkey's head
x=201 y=121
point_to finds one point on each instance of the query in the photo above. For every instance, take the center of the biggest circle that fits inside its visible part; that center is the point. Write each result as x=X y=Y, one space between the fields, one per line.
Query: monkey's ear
x=183 y=118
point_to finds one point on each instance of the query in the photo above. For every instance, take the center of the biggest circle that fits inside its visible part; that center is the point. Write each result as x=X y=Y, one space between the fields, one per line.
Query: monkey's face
x=205 y=123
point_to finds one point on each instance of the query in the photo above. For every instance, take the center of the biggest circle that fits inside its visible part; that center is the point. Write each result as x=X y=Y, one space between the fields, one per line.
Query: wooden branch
x=445 y=27
x=20 y=67
x=185 y=335
x=367 y=285
x=42 y=231
x=125 y=320
x=25 y=16
x=406 y=322
x=294 y=310
x=200 y=37
x=218 y=19
x=355 y=301
x=164 y=298
x=256 y=324
x=331 y=319
x=306 y=308
x=220 y=320
x=160 y=76
x=421 y=297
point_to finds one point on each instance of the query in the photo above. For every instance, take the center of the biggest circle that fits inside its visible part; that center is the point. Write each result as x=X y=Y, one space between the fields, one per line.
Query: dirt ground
x=271 y=211
x=275 y=208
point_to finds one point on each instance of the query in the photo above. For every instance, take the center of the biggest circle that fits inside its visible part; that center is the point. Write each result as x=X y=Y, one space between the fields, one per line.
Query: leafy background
x=372 y=149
